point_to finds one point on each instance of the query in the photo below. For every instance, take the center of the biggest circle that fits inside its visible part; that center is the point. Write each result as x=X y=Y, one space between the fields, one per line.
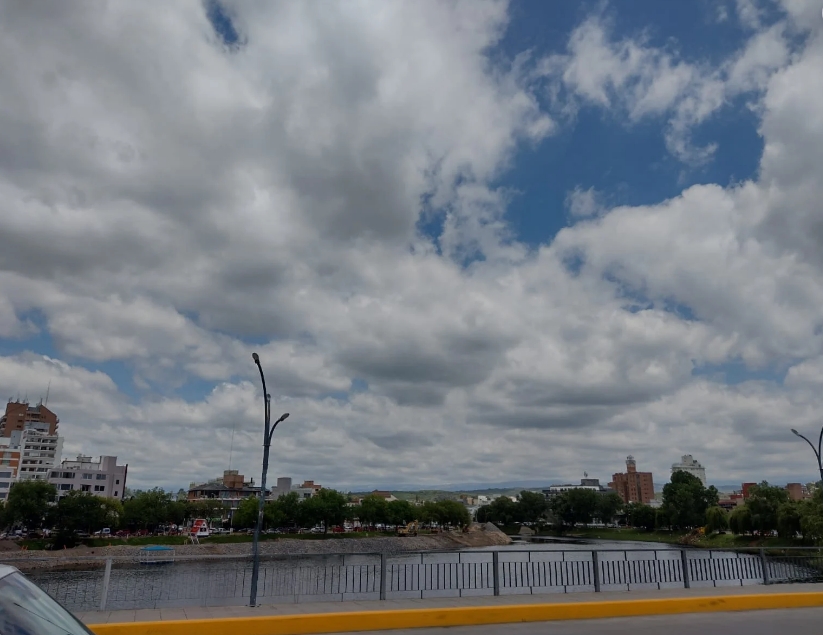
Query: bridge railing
x=122 y=583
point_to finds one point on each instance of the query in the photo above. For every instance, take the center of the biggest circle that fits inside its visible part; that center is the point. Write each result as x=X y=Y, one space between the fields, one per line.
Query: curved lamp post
x=269 y=431
x=816 y=450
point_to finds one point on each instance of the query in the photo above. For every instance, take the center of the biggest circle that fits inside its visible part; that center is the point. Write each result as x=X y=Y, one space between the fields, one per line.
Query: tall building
x=228 y=490
x=282 y=488
x=688 y=464
x=102 y=478
x=633 y=486
x=21 y=416
x=39 y=453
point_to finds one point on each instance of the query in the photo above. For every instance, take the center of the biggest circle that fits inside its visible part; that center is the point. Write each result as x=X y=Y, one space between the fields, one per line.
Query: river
x=524 y=567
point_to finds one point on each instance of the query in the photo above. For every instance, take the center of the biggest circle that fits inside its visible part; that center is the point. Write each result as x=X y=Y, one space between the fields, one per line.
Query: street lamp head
x=283 y=417
x=795 y=432
x=256 y=358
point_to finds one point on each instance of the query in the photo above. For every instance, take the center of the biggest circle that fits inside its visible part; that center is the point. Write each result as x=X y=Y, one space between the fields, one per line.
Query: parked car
x=25 y=608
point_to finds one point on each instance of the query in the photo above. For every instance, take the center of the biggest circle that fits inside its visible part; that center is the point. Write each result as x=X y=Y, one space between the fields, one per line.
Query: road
x=794 y=621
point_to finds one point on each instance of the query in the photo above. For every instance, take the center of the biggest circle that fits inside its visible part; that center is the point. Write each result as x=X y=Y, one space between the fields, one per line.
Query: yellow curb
x=462 y=616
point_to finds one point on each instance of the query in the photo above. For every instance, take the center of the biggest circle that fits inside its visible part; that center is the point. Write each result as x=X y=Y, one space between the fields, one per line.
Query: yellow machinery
x=408 y=530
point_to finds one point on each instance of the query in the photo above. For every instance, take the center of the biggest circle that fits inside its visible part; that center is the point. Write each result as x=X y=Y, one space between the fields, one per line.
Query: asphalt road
x=794 y=621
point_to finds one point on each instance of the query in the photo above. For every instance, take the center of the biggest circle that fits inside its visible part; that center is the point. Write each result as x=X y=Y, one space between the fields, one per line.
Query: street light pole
x=267 y=434
x=817 y=450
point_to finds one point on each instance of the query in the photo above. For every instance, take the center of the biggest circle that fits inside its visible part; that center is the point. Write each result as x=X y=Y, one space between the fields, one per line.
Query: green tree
x=640 y=515
x=532 y=506
x=608 y=506
x=147 y=509
x=286 y=510
x=790 y=519
x=740 y=520
x=83 y=511
x=763 y=503
x=575 y=506
x=686 y=500
x=452 y=513
x=400 y=512
x=502 y=510
x=28 y=503
x=245 y=515
x=373 y=510
x=328 y=507
x=716 y=519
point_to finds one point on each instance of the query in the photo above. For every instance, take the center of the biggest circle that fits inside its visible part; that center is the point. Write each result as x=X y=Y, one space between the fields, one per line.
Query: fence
x=123 y=584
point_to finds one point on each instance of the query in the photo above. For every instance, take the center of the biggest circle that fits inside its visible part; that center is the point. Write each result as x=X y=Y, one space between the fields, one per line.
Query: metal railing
x=118 y=583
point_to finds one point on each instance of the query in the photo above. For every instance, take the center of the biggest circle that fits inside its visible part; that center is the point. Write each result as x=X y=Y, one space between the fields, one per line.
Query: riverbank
x=87 y=557
x=714 y=541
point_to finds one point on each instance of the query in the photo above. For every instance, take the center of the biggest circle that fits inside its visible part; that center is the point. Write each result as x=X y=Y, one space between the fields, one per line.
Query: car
x=26 y=608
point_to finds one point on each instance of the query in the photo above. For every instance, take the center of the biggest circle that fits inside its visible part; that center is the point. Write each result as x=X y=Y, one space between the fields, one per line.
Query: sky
x=471 y=240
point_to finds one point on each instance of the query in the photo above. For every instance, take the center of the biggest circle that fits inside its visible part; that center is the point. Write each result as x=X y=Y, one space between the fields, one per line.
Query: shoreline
x=95 y=557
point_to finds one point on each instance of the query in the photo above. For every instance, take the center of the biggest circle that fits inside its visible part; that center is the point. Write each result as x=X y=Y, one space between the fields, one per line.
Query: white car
x=26 y=608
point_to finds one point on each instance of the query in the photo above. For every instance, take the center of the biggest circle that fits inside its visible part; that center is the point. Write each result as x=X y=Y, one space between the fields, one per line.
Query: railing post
x=496 y=571
x=104 y=594
x=684 y=564
x=383 y=569
x=596 y=571
x=765 y=564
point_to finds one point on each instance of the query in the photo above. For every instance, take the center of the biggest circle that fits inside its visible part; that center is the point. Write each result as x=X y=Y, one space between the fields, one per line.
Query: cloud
x=169 y=203
x=636 y=79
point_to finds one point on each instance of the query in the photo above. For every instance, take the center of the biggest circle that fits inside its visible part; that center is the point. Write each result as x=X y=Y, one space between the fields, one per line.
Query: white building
x=282 y=488
x=102 y=478
x=688 y=464
x=39 y=453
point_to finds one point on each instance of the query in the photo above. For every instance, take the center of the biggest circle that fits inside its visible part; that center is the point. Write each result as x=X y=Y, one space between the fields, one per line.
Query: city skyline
x=471 y=241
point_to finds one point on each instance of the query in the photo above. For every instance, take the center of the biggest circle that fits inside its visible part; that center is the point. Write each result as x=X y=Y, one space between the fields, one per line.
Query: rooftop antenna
x=231 y=445
x=48 y=388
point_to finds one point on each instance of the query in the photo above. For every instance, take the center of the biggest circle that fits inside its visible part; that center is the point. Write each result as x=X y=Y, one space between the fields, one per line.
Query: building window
x=99 y=488
x=4 y=484
x=117 y=482
x=65 y=486
x=100 y=477
x=115 y=493
x=86 y=477
x=5 y=474
x=85 y=488
x=67 y=475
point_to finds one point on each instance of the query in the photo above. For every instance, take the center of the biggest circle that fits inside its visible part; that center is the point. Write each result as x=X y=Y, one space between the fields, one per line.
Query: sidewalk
x=313 y=608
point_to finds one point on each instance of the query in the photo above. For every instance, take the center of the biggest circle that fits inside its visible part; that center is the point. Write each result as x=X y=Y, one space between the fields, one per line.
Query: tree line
x=30 y=505
x=330 y=508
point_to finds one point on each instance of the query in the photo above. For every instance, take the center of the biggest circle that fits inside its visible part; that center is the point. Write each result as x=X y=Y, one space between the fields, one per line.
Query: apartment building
x=633 y=486
x=21 y=416
x=690 y=465
x=229 y=490
x=102 y=478
x=39 y=453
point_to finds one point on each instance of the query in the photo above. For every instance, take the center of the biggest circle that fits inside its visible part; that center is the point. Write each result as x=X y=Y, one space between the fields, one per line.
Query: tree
x=608 y=506
x=716 y=519
x=575 y=506
x=286 y=510
x=28 y=503
x=640 y=515
x=147 y=509
x=763 y=502
x=790 y=519
x=373 y=510
x=686 y=500
x=400 y=512
x=83 y=511
x=245 y=515
x=740 y=520
x=533 y=506
x=328 y=507
x=452 y=513
x=502 y=510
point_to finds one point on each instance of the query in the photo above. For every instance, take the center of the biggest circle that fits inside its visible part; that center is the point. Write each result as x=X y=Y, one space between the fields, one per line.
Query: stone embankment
x=84 y=557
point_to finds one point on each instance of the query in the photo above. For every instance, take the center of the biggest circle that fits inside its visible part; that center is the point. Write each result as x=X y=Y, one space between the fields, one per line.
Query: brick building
x=21 y=416
x=633 y=486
